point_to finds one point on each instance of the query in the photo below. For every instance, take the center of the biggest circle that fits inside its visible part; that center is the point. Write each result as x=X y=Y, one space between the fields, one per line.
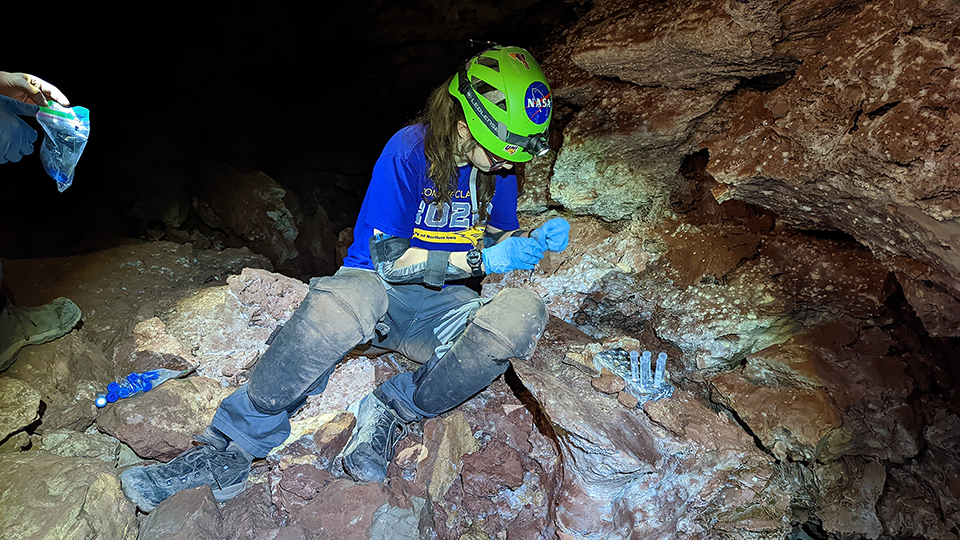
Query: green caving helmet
x=506 y=99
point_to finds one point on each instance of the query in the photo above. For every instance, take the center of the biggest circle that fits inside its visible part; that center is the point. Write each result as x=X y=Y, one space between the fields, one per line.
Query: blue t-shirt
x=400 y=202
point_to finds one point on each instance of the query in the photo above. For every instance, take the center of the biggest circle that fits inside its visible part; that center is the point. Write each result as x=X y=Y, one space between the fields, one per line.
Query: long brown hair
x=442 y=148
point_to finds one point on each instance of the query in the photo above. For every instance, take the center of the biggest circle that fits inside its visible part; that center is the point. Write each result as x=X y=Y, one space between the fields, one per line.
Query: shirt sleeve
x=393 y=193
x=503 y=216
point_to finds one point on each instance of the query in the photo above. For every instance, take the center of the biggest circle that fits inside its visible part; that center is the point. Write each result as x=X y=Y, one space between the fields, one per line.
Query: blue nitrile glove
x=16 y=137
x=553 y=235
x=512 y=253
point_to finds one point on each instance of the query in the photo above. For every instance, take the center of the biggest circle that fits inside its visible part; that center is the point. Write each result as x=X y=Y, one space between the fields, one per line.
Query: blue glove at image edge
x=16 y=136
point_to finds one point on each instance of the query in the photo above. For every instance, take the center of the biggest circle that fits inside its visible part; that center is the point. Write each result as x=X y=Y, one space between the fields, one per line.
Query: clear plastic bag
x=67 y=130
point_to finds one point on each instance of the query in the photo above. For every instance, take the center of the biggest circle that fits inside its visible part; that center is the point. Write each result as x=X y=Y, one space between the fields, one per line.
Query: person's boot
x=20 y=327
x=217 y=462
x=370 y=449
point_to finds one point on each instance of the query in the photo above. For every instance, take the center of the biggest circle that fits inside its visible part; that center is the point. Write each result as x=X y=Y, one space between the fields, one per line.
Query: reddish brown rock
x=68 y=373
x=268 y=219
x=268 y=298
x=606 y=448
x=295 y=485
x=708 y=250
x=315 y=444
x=747 y=494
x=828 y=392
x=607 y=382
x=252 y=206
x=621 y=154
x=119 y=287
x=495 y=466
x=212 y=324
x=519 y=501
x=694 y=44
x=148 y=347
x=863 y=139
x=161 y=423
x=446 y=440
x=251 y=515
x=188 y=514
x=344 y=509
x=627 y=399
x=717 y=285
x=194 y=514
x=790 y=421
x=849 y=491
x=906 y=507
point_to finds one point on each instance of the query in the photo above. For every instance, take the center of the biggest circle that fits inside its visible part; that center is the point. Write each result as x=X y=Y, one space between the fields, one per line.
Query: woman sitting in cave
x=441 y=207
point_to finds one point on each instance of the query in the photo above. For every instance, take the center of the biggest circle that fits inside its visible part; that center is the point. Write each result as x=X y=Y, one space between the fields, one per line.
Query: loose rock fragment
x=607 y=382
x=628 y=400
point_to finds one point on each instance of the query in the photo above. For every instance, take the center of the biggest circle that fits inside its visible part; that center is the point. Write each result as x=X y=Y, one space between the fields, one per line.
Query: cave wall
x=820 y=315
x=836 y=115
x=743 y=177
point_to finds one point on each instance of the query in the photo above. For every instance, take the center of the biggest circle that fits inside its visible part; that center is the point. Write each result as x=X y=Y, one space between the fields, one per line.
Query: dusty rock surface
x=68 y=373
x=120 y=287
x=718 y=282
x=494 y=464
x=764 y=190
x=19 y=406
x=150 y=347
x=48 y=496
x=864 y=139
x=268 y=219
x=161 y=423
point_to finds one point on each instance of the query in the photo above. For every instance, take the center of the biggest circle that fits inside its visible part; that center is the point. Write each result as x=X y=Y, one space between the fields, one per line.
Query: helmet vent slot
x=491 y=63
x=491 y=94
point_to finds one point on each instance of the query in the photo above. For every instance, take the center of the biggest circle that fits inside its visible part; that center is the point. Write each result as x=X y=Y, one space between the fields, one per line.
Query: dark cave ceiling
x=266 y=88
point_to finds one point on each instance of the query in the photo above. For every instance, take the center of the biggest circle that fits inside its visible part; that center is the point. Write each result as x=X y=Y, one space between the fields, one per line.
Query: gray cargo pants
x=463 y=341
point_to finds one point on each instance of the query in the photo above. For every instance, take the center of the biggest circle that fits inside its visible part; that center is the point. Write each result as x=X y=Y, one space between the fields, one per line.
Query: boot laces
x=203 y=457
x=386 y=433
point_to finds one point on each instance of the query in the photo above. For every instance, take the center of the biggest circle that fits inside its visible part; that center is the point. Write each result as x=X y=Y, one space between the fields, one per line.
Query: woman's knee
x=357 y=291
x=516 y=316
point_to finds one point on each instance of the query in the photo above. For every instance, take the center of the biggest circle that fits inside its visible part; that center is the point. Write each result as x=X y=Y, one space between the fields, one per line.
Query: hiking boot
x=370 y=450
x=20 y=327
x=225 y=471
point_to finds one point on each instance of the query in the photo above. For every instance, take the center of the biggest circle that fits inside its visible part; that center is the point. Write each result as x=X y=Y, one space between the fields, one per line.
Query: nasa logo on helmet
x=537 y=103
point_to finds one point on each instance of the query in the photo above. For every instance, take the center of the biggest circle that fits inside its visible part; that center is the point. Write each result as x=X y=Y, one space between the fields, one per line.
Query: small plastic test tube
x=634 y=363
x=645 y=369
x=661 y=368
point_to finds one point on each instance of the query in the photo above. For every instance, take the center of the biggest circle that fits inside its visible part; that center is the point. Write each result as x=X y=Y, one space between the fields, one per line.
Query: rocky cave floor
x=842 y=424
x=764 y=190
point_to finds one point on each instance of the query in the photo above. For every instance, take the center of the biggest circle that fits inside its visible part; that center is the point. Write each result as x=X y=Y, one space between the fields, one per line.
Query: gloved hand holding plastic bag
x=67 y=129
x=16 y=136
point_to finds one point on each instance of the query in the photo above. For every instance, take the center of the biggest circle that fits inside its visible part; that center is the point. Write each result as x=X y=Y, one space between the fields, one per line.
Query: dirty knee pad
x=363 y=291
x=517 y=317
x=338 y=313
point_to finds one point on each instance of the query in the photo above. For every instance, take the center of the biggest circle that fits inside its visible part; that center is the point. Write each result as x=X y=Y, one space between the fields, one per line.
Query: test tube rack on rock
x=635 y=370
